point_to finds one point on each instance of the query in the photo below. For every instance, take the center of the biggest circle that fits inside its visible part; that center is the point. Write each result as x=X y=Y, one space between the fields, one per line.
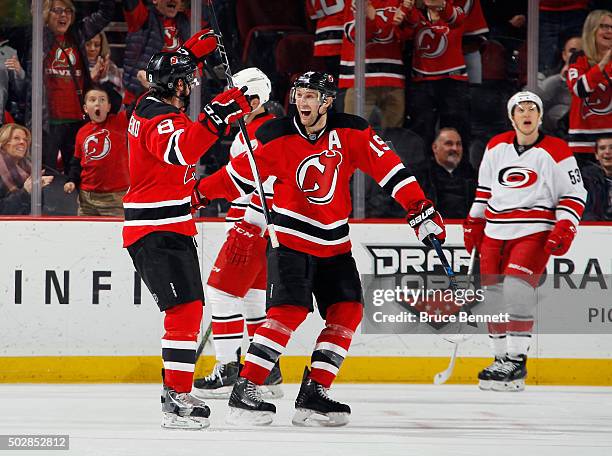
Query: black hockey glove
x=224 y=109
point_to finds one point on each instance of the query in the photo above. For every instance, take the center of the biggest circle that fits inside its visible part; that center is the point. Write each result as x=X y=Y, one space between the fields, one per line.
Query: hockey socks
x=179 y=344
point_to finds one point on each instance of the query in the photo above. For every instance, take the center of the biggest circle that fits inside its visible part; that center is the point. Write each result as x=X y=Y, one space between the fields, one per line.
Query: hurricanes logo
x=97 y=146
x=317 y=176
x=433 y=41
x=598 y=103
x=517 y=177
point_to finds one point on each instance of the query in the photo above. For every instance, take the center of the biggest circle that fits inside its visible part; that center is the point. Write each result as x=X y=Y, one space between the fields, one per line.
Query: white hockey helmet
x=520 y=97
x=256 y=81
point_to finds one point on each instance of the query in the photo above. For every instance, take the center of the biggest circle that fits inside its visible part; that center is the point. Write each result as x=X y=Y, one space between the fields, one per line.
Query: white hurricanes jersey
x=527 y=192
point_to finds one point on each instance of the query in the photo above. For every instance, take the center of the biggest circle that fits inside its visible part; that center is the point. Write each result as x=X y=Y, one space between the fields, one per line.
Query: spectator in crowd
x=556 y=96
x=385 y=74
x=447 y=179
x=589 y=80
x=597 y=179
x=12 y=76
x=439 y=88
x=475 y=27
x=100 y=163
x=507 y=21
x=558 y=19
x=65 y=76
x=329 y=17
x=15 y=170
x=159 y=27
x=103 y=70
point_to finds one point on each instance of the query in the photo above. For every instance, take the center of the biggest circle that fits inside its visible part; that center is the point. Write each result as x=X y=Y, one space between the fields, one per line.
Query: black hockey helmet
x=166 y=68
x=315 y=80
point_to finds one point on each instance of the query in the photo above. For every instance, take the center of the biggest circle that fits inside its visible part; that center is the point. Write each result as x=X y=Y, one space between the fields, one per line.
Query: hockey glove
x=200 y=45
x=425 y=220
x=198 y=200
x=560 y=238
x=241 y=241
x=224 y=109
x=473 y=232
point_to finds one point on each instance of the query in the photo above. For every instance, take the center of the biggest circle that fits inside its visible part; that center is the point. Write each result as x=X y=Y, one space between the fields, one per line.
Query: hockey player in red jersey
x=529 y=201
x=158 y=231
x=313 y=156
x=236 y=287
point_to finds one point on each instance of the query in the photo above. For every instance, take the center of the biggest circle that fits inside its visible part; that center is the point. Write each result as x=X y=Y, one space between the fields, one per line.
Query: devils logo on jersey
x=598 y=103
x=190 y=173
x=171 y=42
x=60 y=60
x=97 y=145
x=433 y=41
x=317 y=176
x=517 y=177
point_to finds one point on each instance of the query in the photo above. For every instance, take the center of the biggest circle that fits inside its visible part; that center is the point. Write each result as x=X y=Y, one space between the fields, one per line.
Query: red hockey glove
x=198 y=200
x=224 y=109
x=241 y=241
x=560 y=238
x=425 y=220
x=473 y=232
x=201 y=44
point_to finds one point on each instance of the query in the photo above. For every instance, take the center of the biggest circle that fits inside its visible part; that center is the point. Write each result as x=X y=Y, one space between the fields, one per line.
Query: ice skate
x=484 y=376
x=246 y=407
x=219 y=383
x=183 y=411
x=313 y=407
x=511 y=375
x=271 y=389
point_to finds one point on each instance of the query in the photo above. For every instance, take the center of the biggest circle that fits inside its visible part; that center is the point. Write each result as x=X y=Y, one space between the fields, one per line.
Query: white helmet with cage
x=520 y=97
x=256 y=82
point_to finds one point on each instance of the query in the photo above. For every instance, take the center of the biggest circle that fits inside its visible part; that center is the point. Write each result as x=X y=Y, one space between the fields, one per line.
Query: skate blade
x=271 y=391
x=219 y=393
x=241 y=417
x=305 y=417
x=191 y=423
x=485 y=385
x=511 y=387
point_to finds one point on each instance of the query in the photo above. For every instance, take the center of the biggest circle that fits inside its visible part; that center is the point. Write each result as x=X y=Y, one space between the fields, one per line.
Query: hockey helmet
x=520 y=97
x=256 y=82
x=315 y=80
x=166 y=68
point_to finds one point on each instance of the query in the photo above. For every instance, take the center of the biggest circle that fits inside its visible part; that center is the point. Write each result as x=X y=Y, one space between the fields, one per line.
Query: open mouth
x=62 y=23
x=305 y=112
x=171 y=6
x=97 y=112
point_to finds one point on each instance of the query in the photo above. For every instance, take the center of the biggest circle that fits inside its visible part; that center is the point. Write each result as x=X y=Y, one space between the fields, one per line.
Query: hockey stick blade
x=441 y=377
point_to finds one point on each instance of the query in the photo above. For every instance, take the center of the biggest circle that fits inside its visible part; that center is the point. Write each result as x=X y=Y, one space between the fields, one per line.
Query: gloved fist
x=201 y=44
x=425 y=220
x=224 y=109
x=473 y=232
x=198 y=200
x=241 y=241
x=560 y=238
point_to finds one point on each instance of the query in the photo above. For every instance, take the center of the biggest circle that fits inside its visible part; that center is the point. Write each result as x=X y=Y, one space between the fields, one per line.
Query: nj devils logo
x=433 y=41
x=97 y=146
x=190 y=173
x=171 y=42
x=317 y=176
x=517 y=177
x=598 y=103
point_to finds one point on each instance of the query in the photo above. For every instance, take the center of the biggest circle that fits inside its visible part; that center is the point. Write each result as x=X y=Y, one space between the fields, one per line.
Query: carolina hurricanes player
x=158 y=231
x=529 y=201
x=236 y=286
x=313 y=156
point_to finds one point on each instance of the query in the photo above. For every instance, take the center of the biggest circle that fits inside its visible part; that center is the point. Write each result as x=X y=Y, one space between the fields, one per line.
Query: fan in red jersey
x=313 y=156
x=236 y=287
x=529 y=201
x=158 y=231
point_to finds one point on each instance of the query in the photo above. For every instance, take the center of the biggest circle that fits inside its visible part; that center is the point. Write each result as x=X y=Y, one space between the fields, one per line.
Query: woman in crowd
x=103 y=70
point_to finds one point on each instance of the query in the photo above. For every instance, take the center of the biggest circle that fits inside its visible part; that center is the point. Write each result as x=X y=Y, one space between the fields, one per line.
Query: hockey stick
x=442 y=377
x=250 y=154
x=203 y=342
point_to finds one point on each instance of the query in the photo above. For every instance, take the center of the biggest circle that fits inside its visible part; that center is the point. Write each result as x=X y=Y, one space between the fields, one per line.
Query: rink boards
x=72 y=311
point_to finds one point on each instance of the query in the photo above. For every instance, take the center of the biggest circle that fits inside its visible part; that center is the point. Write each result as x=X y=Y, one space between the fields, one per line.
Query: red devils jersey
x=164 y=146
x=475 y=22
x=238 y=147
x=591 y=108
x=312 y=200
x=437 y=44
x=102 y=149
x=563 y=5
x=329 y=15
x=64 y=102
x=384 y=66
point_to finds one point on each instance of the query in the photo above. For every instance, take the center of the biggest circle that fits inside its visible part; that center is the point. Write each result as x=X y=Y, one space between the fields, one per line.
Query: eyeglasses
x=606 y=27
x=59 y=11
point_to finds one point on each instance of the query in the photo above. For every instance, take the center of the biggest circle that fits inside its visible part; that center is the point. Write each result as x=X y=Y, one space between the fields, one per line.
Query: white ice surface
x=396 y=420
